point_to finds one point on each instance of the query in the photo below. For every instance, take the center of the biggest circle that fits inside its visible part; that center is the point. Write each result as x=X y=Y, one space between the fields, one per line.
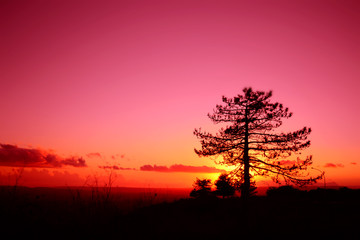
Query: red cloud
x=94 y=155
x=154 y=168
x=13 y=156
x=290 y=162
x=205 y=169
x=287 y=162
x=116 y=167
x=117 y=155
x=75 y=162
x=181 y=168
x=333 y=165
x=353 y=163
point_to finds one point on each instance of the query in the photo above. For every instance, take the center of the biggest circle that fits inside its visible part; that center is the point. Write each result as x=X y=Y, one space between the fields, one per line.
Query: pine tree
x=202 y=188
x=224 y=186
x=250 y=143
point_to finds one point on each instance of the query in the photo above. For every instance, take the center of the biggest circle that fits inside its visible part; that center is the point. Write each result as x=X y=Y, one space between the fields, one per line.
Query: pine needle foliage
x=251 y=143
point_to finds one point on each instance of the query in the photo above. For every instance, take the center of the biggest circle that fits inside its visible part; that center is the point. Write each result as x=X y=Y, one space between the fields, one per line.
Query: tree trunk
x=245 y=191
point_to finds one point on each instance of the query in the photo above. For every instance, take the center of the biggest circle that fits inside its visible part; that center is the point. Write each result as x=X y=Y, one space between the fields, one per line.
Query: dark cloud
x=333 y=165
x=154 y=168
x=75 y=162
x=13 y=156
x=116 y=167
x=181 y=168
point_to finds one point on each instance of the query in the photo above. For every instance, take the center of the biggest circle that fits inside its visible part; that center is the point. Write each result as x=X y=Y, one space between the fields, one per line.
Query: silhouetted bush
x=285 y=191
x=224 y=186
x=45 y=212
x=202 y=188
x=341 y=194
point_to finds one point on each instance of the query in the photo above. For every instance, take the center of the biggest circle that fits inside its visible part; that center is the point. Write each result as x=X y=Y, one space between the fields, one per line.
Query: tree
x=240 y=185
x=202 y=188
x=224 y=186
x=249 y=141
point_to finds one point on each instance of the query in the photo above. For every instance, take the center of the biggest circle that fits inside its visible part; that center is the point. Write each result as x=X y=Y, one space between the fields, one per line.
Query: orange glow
x=125 y=87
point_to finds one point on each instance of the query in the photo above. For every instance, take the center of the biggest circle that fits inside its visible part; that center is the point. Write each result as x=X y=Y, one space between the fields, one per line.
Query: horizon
x=101 y=91
x=307 y=187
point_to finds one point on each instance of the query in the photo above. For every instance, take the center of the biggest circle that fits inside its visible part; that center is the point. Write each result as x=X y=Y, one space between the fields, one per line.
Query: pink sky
x=130 y=80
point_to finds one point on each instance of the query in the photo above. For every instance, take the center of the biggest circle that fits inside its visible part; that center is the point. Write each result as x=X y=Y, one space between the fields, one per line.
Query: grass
x=45 y=212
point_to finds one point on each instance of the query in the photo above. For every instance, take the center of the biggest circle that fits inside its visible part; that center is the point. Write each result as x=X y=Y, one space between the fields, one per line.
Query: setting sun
x=179 y=118
x=122 y=85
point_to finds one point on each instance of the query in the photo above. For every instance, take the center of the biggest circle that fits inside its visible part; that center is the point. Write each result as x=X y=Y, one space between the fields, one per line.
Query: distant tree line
x=225 y=186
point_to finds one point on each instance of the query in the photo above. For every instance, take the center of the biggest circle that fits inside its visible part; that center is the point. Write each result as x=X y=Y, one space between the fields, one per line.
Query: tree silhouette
x=224 y=186
x=239 y=184
x=202 y=188
x=249 y=141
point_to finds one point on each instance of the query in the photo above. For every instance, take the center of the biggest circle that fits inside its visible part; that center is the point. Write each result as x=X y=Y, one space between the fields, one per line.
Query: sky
x=112 y=90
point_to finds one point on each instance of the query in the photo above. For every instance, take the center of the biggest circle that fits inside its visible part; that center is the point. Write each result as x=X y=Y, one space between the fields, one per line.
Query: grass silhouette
x=44 y=212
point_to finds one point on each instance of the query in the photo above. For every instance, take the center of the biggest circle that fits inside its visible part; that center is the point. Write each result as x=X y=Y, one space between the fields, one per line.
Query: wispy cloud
x=118 y=156
x=13 y=156
x=289 y=162
x=115 y=167
x=93 y=155
x=334 y=165
x=181 y=168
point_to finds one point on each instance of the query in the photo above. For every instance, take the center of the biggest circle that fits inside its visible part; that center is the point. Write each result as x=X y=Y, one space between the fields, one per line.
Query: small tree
x=202 y=188
x=250 y=143
x=224 y=186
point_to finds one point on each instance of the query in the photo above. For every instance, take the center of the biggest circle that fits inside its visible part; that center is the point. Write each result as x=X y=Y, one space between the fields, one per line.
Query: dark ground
x=284 y=213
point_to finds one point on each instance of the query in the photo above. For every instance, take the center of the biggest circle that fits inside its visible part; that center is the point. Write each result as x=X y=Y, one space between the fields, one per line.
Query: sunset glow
x=92 y=88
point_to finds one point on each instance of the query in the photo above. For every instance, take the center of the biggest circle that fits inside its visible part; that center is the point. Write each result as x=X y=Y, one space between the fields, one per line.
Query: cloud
x=353 y=163
x=181 y=168
x=287 y=162
x=75 y=162
x=116 y=167
x=93 y=155
x=13 y=156
x=117 y=155
x=333 y=165
x=290 y=162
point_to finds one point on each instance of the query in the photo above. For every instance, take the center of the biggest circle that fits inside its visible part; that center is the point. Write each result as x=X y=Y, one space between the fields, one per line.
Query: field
x=126 y=213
